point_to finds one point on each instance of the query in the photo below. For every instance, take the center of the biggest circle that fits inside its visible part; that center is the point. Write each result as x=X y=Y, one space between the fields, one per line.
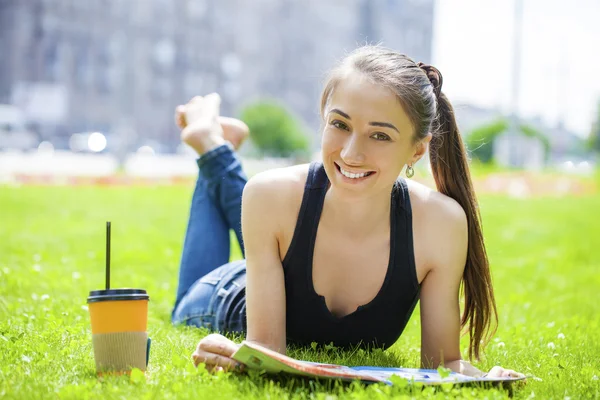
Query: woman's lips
x=352 y=179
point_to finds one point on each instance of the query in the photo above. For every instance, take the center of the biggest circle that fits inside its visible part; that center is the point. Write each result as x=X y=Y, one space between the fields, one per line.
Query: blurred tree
x=274 y=130
x=530 y=131
x=593 y=141
x=480 y=141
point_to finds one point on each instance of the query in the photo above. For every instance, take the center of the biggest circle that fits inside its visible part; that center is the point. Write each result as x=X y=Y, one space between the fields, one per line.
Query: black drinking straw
x=107 y=255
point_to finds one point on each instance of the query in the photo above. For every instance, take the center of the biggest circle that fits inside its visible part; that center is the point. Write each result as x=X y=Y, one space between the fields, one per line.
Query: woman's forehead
x=360 y=98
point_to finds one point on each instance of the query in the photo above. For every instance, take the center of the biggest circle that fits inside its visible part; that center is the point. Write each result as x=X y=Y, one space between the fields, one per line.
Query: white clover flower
x=561 y=336
x=551 y=346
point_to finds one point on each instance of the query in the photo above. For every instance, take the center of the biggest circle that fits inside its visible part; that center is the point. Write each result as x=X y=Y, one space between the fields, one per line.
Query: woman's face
x=367 y=138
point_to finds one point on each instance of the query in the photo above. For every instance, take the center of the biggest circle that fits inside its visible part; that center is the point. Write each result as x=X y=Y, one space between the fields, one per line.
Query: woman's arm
x=265 y=287
x=262 y=199
x=440 y=310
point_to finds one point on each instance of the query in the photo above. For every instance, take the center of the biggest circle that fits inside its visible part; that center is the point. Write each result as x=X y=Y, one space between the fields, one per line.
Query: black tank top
x=376 y=324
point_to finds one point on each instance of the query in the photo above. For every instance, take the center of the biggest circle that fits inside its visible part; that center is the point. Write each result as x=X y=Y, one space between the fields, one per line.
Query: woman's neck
x=357 y=215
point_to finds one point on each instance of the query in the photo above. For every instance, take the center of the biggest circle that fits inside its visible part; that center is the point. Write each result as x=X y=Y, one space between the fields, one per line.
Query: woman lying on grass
x=340 y=250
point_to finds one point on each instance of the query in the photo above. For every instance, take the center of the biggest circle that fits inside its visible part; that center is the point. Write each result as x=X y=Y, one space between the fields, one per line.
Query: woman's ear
x=421 y=148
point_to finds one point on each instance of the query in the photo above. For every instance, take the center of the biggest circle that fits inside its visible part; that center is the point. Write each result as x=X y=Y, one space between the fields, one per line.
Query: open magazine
x=260 y=358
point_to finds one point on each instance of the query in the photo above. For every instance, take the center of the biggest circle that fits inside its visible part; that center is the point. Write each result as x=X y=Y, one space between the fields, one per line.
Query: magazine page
x=426 y=376
x=260 y=358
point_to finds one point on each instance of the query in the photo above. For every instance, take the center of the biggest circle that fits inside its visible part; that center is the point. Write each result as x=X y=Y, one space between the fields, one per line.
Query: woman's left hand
x=499 y=372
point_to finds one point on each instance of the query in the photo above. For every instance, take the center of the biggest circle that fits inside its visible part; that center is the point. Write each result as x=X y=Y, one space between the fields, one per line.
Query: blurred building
x=470 y=116
x=518 y=149
x=120 y=67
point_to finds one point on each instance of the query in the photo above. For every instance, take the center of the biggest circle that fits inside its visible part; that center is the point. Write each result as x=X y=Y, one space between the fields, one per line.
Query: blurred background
x=88 y=87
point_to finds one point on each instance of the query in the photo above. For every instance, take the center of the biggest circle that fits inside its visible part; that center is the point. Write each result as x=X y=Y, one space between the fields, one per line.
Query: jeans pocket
x=195 y=307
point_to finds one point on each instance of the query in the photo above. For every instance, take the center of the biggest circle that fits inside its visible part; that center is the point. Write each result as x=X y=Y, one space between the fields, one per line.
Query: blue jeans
x=211 y=291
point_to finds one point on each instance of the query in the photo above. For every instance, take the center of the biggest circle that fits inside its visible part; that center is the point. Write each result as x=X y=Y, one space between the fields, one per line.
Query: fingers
x=218 y=344
x=216 y=362
x=215 y=351
x=499 y=372
x=513 y=374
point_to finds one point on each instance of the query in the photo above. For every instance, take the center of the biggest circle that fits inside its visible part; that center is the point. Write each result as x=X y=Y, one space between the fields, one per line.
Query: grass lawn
x=545 y=256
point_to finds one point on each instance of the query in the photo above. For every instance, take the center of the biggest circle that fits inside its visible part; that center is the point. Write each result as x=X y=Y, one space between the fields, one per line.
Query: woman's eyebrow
x=343 y=114
x=373 y=123
x=384 y=125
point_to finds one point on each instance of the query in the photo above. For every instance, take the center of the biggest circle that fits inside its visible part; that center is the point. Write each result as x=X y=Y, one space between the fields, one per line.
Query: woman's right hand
x=215 y=351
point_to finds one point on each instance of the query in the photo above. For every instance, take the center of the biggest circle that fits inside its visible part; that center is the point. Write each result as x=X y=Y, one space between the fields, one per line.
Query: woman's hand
x=215 y=351
x=499 y=372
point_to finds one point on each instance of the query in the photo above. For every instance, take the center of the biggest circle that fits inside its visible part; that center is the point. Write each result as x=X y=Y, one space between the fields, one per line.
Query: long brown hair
x=418 y=87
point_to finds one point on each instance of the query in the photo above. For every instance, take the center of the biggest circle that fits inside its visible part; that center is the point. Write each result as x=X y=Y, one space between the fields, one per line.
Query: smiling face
x=367 y=136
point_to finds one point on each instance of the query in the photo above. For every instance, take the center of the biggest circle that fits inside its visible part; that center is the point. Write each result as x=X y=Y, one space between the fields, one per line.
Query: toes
x=180 y=117
x=213 y=101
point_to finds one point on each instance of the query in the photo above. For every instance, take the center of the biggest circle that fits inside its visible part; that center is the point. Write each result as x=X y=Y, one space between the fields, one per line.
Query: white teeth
x=352 y=175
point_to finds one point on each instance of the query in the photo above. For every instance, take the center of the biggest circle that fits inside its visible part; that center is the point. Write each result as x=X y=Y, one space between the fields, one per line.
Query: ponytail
x=450 y=168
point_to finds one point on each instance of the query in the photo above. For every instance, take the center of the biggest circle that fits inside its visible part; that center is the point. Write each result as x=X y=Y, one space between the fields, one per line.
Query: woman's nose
x=352 y=153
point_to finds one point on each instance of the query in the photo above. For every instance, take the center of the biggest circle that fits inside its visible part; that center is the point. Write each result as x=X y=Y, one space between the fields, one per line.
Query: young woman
x=340 y=250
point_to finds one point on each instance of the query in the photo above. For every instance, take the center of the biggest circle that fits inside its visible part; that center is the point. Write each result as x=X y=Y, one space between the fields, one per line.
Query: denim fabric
x=208 y=302
x=205 y=278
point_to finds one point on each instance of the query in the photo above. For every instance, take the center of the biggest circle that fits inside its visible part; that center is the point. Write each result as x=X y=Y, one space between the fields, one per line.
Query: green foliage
x=532 y=132
x=274 y=130
x=545 y=273
x=444 y=372
x=480 y=141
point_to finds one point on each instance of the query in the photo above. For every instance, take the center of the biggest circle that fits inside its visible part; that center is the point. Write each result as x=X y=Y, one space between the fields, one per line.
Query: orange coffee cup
x=119 y=319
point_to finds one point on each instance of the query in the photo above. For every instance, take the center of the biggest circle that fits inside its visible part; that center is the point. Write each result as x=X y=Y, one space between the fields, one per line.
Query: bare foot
x=202 y=131
x=235 y=131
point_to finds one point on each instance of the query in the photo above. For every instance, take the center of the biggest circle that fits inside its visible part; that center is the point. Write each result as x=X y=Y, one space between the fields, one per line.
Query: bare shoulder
x=435 y=207
x=276 y=192
x=440 y=230
x=278 y=183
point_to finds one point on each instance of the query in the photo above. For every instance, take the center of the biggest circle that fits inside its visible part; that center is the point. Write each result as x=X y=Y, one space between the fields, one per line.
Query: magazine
x=260 y=358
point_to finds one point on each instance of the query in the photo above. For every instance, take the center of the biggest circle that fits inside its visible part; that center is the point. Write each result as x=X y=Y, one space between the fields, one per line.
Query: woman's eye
x=339 y=124
x=380 y=136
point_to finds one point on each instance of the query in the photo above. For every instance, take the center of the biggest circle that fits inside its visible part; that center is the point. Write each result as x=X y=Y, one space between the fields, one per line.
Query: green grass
x=545 y=256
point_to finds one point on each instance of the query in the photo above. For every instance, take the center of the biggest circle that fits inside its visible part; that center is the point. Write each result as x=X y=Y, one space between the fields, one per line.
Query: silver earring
x=410 y=172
